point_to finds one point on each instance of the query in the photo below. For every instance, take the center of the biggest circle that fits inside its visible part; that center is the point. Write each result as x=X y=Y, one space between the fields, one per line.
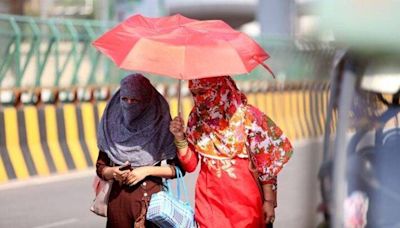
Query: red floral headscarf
x=216 y=122
x=221 y=124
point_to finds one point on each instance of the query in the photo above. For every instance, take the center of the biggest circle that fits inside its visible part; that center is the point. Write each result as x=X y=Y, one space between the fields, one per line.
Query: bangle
x=270 y=201
x=181 y=144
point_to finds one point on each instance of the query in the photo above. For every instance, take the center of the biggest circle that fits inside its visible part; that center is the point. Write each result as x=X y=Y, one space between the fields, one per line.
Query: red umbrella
x=180 y=47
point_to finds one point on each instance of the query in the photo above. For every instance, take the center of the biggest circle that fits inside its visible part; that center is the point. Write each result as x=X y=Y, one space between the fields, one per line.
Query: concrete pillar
x=276 y=17
x=104 y=11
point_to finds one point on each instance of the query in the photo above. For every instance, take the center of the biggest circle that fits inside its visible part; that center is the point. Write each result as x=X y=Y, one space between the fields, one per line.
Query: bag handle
x=180 y=184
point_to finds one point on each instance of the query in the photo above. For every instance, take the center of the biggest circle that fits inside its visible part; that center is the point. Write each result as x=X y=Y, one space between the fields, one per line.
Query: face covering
x=136 y=131
x=141 y=92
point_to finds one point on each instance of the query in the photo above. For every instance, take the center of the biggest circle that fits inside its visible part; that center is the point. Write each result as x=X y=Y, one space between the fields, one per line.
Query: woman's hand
x=269 y=203
x=177 y=129
x=269 y=211
x=114 y=173
x=137 y=175
x=120 y=176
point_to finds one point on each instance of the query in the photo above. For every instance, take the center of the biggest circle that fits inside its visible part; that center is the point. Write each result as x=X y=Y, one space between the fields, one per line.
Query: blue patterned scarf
x=137 y=132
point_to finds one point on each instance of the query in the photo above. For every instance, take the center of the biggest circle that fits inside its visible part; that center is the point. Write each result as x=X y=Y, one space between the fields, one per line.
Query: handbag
x=102 y=190
x=167 y=210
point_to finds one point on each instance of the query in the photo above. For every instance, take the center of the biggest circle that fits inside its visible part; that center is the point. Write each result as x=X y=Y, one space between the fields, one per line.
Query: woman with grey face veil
x=134 y=130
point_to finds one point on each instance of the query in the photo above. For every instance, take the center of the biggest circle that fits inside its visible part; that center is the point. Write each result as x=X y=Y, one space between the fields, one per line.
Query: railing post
x=17 y=52
x=36 y=50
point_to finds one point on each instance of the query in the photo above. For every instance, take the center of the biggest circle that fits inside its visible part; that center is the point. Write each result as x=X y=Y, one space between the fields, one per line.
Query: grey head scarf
x=136 y=131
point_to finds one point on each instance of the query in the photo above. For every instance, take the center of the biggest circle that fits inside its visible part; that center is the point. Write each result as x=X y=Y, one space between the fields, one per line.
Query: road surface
x=63 y=201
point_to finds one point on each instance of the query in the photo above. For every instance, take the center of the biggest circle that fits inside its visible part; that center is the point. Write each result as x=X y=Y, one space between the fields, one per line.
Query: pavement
x=64 y=200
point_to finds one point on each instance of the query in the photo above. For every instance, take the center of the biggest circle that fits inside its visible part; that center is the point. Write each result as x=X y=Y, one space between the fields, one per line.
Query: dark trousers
x=128 y=205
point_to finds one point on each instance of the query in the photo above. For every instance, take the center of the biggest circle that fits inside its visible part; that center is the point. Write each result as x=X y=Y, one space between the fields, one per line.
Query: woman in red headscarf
x=223 y=132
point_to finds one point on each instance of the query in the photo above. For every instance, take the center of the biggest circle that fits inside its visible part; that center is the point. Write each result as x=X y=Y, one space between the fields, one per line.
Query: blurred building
x=276 y=18
x=272 y=18
x=12 y=7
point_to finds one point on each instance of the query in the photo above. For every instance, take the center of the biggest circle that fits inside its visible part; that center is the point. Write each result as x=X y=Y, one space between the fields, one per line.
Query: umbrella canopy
x=180 y=47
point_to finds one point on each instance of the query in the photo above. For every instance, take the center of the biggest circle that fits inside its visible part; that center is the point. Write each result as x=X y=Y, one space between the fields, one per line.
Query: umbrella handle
x=179 y=97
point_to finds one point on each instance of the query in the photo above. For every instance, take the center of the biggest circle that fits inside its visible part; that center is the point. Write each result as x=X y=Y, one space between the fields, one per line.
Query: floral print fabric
x=222 y=125
x=215 y=127
x=270 y=148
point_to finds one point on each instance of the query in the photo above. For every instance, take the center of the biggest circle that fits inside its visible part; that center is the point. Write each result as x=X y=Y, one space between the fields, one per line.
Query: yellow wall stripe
x=173 y=106
x=261 y=103
x=279 y=116
x=291 y=115
x=309 y=119
x=89 y=128
x=315 y=105
x=33 y=139
x=12 y=142
x=3 y=172
x=335 y=116
x=251 y=99
x=100 y=108
x=52 y=138
x=187 y=105
x=287 y=115
x=269 y=105
x=72 y=136
x=321 y=112
x=301 y=112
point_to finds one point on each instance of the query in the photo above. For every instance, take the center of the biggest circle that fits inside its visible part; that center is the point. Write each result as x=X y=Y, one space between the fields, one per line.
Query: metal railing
x=52 y=53
x=57 y=52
